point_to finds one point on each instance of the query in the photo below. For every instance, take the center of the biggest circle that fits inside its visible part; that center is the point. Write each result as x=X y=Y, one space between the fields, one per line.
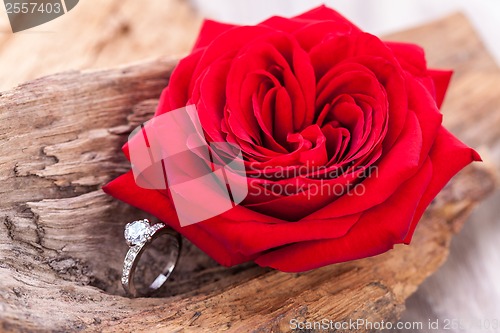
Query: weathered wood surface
x=61 y=243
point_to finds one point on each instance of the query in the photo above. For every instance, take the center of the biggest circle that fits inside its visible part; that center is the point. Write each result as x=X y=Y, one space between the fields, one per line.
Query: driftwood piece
x=61 y=243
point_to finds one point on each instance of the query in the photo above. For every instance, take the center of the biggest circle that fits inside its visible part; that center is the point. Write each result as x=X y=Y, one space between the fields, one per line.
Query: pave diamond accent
x=155 y=228
x=129 y=260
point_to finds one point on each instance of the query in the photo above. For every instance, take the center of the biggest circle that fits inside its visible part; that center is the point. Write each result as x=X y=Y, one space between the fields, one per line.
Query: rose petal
x=318 y=32
x=209 y=31
x=421 y=103
x=323 y=13
x=180 y=91
x=412 y=59
x=282 y=24
x=251 y=238
x=410 y=56
x=228 y=44
x=398 y=165
x=441 y=80
x=376 y=231
x=448 y=156
x=211 y=100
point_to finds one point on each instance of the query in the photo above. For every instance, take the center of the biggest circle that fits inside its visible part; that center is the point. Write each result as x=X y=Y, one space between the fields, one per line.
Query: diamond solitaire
x=137 y=232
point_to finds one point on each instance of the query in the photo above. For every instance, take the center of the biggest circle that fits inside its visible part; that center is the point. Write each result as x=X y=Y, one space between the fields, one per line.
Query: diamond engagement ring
x=138 y=234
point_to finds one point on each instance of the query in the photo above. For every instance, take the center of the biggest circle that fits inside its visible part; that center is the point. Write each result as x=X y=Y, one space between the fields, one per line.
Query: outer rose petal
x=323 y=13
x=210 y=30
x=228 y=44
x=412 y=59
x=448 y=156
x=283 y=24
x=179 y=89
x=125 y=189
x=410 y=56
x=441 y=81
x=420 y=101
x=250 y=238
x=376 y=232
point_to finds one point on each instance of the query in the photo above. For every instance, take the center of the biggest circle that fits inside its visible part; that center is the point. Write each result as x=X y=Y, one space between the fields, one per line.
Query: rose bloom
x=340 y=133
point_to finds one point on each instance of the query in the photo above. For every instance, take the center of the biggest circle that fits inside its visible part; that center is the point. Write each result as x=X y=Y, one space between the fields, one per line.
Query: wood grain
x=61 y=236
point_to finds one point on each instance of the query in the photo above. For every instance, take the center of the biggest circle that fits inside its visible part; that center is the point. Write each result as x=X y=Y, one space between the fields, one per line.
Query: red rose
x=347 y=124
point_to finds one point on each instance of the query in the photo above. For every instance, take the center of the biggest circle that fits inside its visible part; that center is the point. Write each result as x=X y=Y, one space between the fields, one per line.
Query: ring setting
x=140 y=231
x=138 y=234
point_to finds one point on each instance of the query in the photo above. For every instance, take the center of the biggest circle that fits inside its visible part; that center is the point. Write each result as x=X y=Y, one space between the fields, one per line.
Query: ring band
x=138 y=234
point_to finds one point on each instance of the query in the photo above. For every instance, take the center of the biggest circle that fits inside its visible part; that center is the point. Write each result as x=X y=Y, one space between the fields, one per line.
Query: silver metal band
x=138 y=234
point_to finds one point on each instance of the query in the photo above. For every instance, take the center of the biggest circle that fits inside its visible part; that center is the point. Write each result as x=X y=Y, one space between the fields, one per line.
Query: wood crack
x=11 y=228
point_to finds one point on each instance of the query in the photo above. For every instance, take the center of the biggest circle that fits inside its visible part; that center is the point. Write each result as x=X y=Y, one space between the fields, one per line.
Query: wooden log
x=61 y=243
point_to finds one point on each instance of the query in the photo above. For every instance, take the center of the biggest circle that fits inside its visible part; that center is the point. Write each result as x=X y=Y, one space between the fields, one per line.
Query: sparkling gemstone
x=137 y=232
